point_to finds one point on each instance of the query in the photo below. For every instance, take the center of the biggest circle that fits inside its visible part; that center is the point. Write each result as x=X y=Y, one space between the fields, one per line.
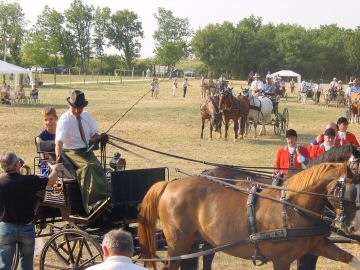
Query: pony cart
x=280 y=121
x=73 y=238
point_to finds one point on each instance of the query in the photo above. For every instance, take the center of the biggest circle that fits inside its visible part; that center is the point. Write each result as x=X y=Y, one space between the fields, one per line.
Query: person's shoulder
x=97 y=267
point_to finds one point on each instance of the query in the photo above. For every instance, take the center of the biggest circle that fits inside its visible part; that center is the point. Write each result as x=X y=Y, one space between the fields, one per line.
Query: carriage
x=280 y=121
x=73 y=237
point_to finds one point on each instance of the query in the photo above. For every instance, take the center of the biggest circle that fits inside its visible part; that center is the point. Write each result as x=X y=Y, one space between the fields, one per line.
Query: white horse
x=260 y=112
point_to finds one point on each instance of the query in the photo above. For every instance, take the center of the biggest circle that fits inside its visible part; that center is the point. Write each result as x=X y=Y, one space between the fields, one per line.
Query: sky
x=308 y=13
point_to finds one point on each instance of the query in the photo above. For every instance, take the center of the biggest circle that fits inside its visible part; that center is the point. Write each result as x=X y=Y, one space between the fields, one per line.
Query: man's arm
x=53 y=177
x=58 y=150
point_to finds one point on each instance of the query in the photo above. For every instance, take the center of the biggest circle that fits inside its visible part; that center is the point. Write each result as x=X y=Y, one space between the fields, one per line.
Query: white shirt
x=67 y=129
x=116 y=263
x=257 y=85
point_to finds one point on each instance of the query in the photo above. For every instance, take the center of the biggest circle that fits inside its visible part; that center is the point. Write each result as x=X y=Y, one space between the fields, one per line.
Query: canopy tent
x=288 y=73
x=7 y=68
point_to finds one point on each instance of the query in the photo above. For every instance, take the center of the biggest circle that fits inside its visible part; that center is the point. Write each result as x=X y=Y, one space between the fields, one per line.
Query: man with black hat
x=344 y=136
x=329 y=142
x=292 y=156
x=76 y=129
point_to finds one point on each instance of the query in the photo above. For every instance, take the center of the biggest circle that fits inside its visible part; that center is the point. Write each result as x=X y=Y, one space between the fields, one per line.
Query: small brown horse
x=193 y=208
x=235 y=109
x=210 y=111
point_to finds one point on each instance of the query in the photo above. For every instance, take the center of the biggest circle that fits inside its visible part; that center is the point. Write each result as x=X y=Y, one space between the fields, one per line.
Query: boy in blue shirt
x=48 y=134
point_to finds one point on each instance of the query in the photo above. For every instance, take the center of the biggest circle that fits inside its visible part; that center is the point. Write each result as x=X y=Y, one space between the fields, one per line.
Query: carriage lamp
x=117 y=163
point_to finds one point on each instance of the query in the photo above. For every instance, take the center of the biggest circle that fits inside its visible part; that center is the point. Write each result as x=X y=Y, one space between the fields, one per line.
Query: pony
x=210 y=111
x=260 y=111
x=192 y=209
x=236 y=109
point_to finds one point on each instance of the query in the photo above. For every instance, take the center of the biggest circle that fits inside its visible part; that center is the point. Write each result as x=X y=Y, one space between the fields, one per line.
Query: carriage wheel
x=285 y=121
x=70 y=249
x=277 y=124
x=15 y=263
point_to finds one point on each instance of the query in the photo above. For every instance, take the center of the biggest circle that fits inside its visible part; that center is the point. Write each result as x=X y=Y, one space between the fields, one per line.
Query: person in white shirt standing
x=118 y=248
x=76 y=132
x=257 y=86
x=175 y=86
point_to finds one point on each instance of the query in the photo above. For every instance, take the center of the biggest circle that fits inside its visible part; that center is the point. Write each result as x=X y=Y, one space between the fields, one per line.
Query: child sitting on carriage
x=47 y=135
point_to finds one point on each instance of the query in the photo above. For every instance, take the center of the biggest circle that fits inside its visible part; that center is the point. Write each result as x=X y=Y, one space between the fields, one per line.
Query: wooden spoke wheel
x=285 y=121
x=70 y=249
x=277 y=124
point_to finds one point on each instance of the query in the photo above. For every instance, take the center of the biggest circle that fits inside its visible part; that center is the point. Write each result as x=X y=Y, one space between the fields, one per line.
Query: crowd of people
x=155 y=87
x=19 y=96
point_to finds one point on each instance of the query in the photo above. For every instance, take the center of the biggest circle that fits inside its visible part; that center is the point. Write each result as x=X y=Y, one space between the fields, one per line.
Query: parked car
x=37 y=69
x=189 y=73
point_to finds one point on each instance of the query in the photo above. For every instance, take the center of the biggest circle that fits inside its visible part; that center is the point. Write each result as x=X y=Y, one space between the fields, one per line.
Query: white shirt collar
x=122 y=259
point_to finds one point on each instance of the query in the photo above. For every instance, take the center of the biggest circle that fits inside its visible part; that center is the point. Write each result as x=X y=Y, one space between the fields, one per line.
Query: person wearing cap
x=355 y=88
x=257 y=86
x=269 y=87
x=344 y=136
x=292 y=156
x=329 y=142
x=333 y=84
x=348 y=92
x=75 y=131
x=18 y=198
x=320 y=138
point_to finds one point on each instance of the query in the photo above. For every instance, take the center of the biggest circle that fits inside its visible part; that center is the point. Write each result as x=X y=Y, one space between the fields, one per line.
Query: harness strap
x=251 y=212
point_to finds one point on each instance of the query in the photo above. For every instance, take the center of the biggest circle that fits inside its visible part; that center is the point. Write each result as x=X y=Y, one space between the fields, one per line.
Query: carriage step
x=56 y=199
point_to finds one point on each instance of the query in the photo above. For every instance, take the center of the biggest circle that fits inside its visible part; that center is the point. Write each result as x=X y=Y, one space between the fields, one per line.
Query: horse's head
x=344 y=199
x=225 y=99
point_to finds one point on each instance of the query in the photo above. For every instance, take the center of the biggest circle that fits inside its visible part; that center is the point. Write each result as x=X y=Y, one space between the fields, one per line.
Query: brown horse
x=193 y=208
x=235 y=109
x=210 y=111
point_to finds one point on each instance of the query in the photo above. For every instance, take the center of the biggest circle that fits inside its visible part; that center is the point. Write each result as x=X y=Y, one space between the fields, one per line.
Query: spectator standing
x=185 y=86
x=318 y=89
x=292 y=86
x=175 y=86
x=17 y=203
x=118 y=248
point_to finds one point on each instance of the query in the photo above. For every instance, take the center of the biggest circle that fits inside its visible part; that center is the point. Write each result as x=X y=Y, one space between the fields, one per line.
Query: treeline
x=250 y=45
x=78 y=38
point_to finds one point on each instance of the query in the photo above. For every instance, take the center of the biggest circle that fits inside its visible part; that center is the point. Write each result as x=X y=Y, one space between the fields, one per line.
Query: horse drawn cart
x=73 y=238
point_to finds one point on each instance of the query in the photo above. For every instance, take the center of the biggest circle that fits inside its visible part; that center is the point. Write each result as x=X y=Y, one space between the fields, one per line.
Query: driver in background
x=292 y=156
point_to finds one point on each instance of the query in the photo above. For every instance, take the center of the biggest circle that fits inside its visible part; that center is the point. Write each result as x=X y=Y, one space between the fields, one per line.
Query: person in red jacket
x=320 y=138
x=329 y=142
x=344 y=136
x=292 y=156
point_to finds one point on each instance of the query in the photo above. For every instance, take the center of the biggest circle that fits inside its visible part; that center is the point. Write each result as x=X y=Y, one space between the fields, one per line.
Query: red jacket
x=283 y=159
x=350 y=138
x=316 y=151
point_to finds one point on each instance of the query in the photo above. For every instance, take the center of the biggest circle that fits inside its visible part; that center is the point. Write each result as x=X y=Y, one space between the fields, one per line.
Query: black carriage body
x=126 y=190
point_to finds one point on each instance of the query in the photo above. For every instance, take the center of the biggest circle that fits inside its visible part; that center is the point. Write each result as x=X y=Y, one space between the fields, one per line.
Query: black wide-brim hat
x=77 y=99
x=291 y=133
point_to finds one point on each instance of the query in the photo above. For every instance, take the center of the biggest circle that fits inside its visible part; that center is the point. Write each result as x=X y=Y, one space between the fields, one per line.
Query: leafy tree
x=79 y=21
x=12 y=24
x=124 y=33
x=171 y=37
x=101 y=25
x=353 y=50
x=35 y=50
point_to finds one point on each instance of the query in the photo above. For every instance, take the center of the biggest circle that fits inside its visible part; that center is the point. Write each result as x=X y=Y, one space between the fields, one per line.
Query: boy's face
x=50 y=121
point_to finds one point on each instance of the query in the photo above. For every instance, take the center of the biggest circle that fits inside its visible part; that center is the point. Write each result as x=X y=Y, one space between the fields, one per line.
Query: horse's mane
x=337 y=154
x=316 y=174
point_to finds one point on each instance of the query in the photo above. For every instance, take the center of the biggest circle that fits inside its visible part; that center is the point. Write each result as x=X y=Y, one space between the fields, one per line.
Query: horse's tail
x=148 y=217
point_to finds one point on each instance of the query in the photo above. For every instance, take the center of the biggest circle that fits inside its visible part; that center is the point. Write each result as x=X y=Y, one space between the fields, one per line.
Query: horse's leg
x=220 y=135
x=331 y=251
x=202 y=128
x=280 y=265
x=208 y=259
x=236 y=128
x=191 y=264
x=211 y=130
x=226 y=128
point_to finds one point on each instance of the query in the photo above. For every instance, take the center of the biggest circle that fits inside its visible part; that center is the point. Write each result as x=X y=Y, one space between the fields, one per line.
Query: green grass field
x=169 y=124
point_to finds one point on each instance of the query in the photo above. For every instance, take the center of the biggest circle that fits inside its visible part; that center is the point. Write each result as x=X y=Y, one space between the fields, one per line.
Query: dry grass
x=170 y=124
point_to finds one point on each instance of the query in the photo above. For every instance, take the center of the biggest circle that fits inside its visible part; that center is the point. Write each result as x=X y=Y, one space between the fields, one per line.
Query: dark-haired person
x=292 y=156
x=17 y=203
x=344 y=136
x=328 y=143
x=75 y=131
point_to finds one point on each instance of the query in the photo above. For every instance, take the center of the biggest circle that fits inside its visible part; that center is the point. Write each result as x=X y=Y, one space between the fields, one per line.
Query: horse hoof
x=235 y=140
x=209 y=139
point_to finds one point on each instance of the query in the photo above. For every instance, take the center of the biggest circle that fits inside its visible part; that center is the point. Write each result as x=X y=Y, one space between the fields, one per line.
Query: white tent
x=7 y=68
x=288 y=73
